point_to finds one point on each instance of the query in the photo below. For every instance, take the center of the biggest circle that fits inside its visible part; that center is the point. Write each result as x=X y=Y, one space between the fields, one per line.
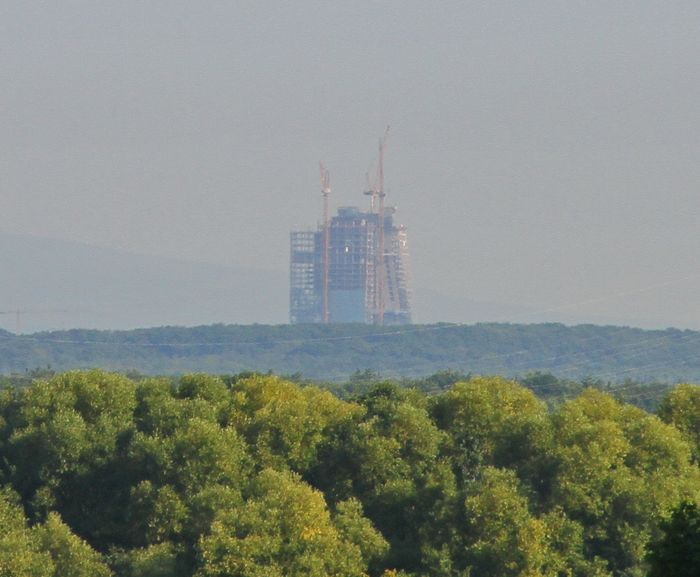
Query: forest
x=250 y=475
x=336 y=352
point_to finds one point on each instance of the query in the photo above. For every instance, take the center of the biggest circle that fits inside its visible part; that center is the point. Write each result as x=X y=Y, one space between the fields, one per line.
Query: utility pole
x=18 y=313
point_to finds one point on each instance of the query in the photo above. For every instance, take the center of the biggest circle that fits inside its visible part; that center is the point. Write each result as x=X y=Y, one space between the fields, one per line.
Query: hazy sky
x=543 y=154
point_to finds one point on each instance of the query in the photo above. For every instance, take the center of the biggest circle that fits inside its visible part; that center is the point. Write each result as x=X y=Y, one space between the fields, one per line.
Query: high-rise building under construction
x=354 y=267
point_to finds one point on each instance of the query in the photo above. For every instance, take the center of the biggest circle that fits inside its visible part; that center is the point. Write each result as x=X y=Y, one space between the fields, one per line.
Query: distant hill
x=61 y=284
x=334 y=352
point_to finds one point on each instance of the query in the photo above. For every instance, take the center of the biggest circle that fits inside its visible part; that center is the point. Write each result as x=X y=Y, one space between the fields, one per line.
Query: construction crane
x=375 y=191
x=381 y=268
x=375 y=177
x=371 y=189
x=325 y=192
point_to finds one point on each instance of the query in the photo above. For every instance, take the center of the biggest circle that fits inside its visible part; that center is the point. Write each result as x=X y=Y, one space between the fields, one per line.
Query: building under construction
x=354 y=267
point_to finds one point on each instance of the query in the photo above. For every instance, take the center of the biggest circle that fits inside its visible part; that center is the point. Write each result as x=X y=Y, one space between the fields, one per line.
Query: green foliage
x=72 y=557
x=251 y=476
x=342 y=352
x=619 y=471
x=677 y=552
x=47 y=550
x=73 y=426
x=504 y=538
x=20 y=551
x=161 y=560
x=355 y=528
x=284 y=529
x=158 y=514
x=492 y=421
x=284 y=423
x=389 y=458
x=681 y=408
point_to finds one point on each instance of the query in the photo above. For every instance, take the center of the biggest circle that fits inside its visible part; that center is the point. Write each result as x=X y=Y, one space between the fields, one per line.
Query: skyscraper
x=362 y=284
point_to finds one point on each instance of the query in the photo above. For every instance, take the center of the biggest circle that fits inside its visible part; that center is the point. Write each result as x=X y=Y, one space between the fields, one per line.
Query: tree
x=495 y=422
x=185 y=479
x=20 y=550
x=388 y=457
x=504 y=539
x=72 y=557
x=284 y=529
x=681 y=408
x=284 y=423
x=677 y=552
x=71 y=424
x=619 y=470
x=161 y=560
x=74 y=427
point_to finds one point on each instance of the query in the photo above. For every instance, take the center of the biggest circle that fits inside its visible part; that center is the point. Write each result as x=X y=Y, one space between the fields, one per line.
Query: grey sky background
x=542 y=154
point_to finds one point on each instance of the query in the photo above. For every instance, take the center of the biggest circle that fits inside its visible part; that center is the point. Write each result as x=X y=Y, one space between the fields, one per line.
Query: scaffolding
x=303 y=282
x=355 y=269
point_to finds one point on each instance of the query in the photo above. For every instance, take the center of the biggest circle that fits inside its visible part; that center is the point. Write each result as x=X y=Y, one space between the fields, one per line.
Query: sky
x=543 y=155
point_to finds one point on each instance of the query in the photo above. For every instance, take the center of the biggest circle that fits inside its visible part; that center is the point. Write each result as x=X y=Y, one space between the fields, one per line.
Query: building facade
x=362 y=285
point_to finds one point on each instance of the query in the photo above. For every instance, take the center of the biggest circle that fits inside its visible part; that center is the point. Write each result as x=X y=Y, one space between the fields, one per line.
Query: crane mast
x=376 y=194
x=380 y=269
x=325 y=192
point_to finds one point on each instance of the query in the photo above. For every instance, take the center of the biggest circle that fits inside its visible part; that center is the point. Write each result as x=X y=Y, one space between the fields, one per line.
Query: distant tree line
x=548 y=387
x=335 y=352
x=257 y=476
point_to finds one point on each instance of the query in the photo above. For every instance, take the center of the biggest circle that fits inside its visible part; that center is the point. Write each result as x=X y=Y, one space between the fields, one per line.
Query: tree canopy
x=250 y=476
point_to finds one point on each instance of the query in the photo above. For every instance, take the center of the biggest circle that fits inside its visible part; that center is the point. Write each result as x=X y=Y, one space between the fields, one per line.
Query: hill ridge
x=334 y=352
